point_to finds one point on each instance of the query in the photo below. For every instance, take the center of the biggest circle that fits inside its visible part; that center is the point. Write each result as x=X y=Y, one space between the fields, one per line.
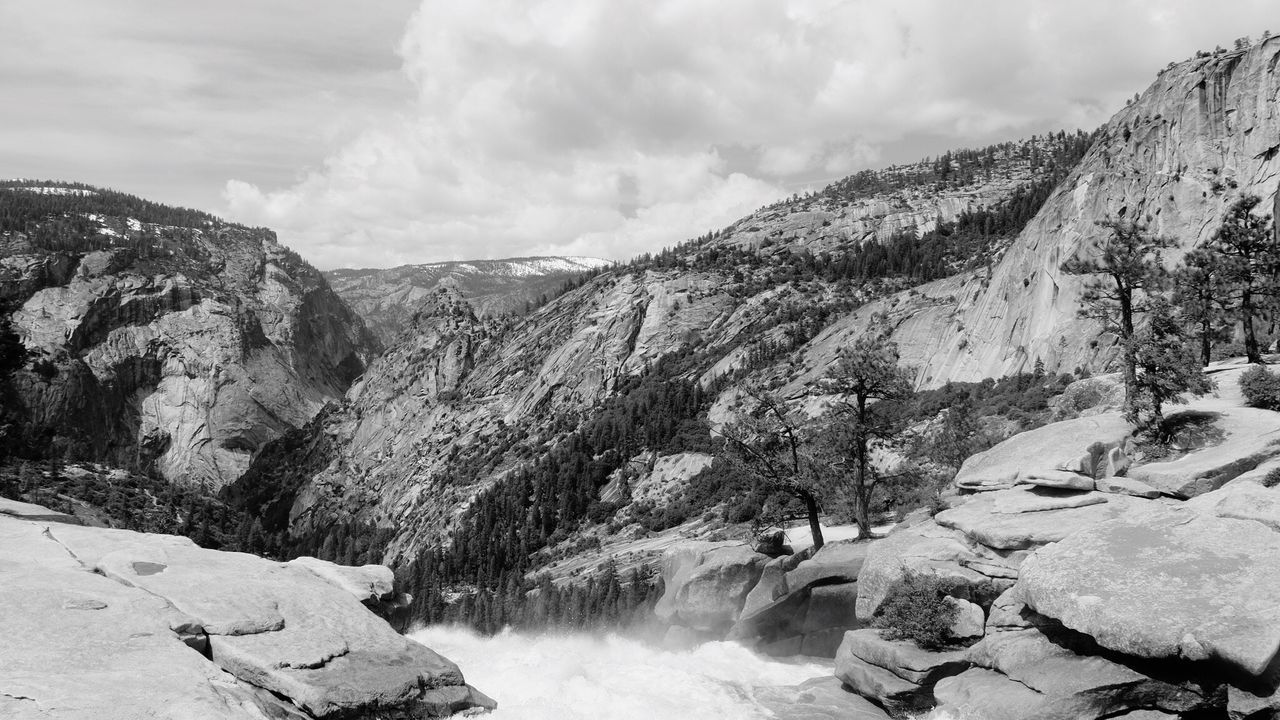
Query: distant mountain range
x=388 y=298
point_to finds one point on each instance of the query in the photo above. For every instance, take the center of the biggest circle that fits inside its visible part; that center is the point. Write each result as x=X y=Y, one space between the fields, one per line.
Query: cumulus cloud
x=612 y=128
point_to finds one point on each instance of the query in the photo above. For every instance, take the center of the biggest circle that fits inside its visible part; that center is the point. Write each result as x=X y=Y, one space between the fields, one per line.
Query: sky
x=377 y=134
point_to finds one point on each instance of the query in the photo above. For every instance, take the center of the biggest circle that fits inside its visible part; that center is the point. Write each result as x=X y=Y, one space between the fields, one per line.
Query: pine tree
x=1198 y=294
x=869 y=379
x=1247 y=247
x=1128 y=261
x=1166 y=371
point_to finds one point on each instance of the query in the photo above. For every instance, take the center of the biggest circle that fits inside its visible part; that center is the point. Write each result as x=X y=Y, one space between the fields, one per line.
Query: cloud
x=519 y=126
x=168 y=100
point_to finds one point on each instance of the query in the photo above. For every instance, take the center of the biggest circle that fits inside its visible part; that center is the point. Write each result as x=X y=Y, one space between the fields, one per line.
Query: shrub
x=916 y=609
x=1272 y=478
x=1261 y=388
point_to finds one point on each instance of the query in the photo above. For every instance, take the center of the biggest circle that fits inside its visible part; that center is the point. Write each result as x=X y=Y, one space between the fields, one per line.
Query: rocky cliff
x=1206 y=132
x=387 y=299
x=169 y=341
x=461 y=401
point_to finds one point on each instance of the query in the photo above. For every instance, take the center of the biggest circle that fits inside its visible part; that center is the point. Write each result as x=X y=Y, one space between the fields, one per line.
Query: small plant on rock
x=1261 y=388
x=917 y=609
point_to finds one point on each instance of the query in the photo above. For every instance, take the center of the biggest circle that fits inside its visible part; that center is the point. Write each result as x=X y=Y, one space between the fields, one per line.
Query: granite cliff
x=163 y=339
x=1206 y=132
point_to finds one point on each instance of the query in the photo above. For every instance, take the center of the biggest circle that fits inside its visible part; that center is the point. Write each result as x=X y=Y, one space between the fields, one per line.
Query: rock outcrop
x=114 y=623
x=707 y=584
x=185 y=349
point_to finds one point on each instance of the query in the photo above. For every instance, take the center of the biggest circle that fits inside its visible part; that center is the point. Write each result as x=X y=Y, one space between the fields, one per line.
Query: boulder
x=930 y=549
x=707 y=584
x=1242 y=501
x=1009 y=613
x=903 y=658
x=1166 y=583
x=1056 y=478
x=771 y=586
x=835 y=562
x=1048 y=447
x=1038 y=499
x=1074 y=682
x=110 y=618
x=987 y=694
x=980 y=520
x=822 y=698
x=774 y=544
x=368 y=583
x=970 y=621
x=809 y=621
x=877 y=684
x=1126 y=486
x=1250 y=438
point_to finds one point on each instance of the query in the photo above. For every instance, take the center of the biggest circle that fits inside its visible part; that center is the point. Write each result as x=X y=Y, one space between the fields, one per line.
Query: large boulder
x=1242 y=501
x=894 y=673
x=1250 y=438
x=987 y=694
x=707 y=584
x=810 y=621
x=1072 y=680
x=1167 y=583
x=975 y=572
x=282 y=630
x=153 y=626
x=1025 y=518
x=1044 y=449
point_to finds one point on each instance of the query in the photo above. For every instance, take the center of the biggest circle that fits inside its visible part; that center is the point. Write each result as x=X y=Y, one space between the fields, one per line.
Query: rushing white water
x=571 y=676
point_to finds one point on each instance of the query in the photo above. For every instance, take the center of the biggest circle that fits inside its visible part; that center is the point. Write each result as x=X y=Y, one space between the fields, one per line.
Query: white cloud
x=584 y=127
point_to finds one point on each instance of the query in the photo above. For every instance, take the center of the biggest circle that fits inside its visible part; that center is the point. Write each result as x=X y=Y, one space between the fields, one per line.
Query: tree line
x=1228 y=284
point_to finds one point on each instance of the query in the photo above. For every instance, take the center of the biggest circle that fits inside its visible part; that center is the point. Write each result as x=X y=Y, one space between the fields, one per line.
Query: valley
x=988 y=435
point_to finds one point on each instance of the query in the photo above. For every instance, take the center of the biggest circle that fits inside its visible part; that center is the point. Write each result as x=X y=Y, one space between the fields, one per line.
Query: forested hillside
x=485 y=443
x=144 y=346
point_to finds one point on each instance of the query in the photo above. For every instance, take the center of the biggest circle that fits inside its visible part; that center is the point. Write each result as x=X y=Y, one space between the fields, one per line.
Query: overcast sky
x=372 y=134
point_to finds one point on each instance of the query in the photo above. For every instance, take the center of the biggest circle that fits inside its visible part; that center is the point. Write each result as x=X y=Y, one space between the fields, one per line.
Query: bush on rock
x=916 y=609
x=1261 y=388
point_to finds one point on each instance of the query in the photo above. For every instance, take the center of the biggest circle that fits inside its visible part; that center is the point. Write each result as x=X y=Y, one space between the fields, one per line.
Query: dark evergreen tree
x=1127 y=270
x=1250 y=259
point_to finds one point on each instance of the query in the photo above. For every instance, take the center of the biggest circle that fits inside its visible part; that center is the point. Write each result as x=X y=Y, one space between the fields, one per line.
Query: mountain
x=159 y=339
x=495 y=438
x=1201 y=136
x=387 y=299
x=462 y=402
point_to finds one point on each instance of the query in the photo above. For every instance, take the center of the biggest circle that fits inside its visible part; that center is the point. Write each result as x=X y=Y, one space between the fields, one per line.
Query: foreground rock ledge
x=111 y=623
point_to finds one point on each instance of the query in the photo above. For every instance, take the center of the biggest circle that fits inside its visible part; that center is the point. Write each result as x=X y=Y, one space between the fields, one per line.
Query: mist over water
x=576 y=676
x=572 y=676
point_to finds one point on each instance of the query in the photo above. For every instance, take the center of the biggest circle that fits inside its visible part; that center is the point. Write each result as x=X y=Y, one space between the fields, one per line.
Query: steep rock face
x=387 y=299
x=460 y=384
x=1204 y=134
x=188 y=348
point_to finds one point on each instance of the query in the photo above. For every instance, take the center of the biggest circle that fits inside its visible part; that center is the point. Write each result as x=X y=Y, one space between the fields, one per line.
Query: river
x=584 y=677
